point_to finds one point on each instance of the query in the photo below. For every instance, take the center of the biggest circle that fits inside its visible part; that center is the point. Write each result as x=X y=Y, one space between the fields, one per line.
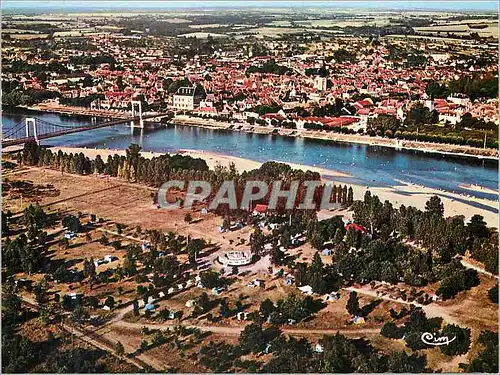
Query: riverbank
x=398 y=144
x=401 y=194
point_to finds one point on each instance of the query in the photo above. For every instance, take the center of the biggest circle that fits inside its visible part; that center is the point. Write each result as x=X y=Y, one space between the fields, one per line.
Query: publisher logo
x=435 y=340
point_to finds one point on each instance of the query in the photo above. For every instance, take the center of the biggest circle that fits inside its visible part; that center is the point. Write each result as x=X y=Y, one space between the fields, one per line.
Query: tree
x=421 y=115
x=477 y=227
x=436 y=90
x=252 y=338
x=34 y=219
x=353 y=304
x=119 y=228
x=434 y=206
x=110 y=302
x=266 y=308
x=350 y=196
x=117 y=245
x=369 y=212
x=99 y=165
x=119 y=349
x=257 y=242
x=187 y=218
x=61 y=274
x=71 y=223
x=285 y=240
x=210 y=279
x=104 y=240
x=455 y=278
x=144 y=345
x=219 y=357
x=64 y=243
x=224 y=309
x=338 y=354
x=317 y=240
x=41 y=293
x=290 y=356
x=193 y=249
x=89 y=268
x=383 y=123
x=486 y=361
x=339 y=236
x=79 y=315
x=277 y=256
x=11 y=305
x=93 y=302
x=401 y=362
x=133 y=156
x=315 y=274
x=135 y=305
x=461 y=343
x=352 y=238
x=20 y=255
x=203 y=302
x=493 y=294
x=392 y=331
x=301 y=275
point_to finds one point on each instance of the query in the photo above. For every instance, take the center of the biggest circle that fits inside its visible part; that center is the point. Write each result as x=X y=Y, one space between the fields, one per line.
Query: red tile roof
x=356 y=227
x=261 y=208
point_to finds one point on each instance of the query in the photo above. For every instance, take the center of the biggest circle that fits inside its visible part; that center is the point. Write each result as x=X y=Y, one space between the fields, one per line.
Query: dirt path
x=108 y=231
x=464 y=262
x=477 y=268
x=431 y=310
x=235 y=331
x=279 y=286
x=86 y=336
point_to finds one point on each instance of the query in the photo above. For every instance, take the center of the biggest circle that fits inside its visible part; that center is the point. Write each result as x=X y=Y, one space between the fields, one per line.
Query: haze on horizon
x=61 y=6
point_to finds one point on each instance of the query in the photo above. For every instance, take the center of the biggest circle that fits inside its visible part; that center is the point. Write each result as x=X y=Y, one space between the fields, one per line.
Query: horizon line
x=68 y=6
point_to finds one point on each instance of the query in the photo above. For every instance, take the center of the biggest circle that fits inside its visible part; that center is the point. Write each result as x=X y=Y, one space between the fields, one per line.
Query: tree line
x=159 y=169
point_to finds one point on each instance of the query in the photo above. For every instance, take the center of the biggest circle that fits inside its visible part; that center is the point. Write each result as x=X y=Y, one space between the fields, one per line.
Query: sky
x=96 y=5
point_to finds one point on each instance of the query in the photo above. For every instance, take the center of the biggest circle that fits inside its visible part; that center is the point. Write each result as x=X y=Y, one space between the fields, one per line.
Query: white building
x=187 y=98
x=320 y=83
x=235 y=258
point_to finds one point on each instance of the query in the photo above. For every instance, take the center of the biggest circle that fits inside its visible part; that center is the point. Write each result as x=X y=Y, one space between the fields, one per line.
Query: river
x=367 y=165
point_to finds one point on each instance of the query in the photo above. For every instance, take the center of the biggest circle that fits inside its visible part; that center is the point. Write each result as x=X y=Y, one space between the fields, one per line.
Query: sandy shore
x=478 y=188
x=403 y=193
x=213 y=159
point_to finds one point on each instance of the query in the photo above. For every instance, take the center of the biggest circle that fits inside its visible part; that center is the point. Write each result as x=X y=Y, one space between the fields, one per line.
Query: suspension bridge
x=31 y=129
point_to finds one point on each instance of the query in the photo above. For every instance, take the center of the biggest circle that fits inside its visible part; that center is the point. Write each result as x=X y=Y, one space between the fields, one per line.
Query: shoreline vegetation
x=401 y=194
x=398 y=144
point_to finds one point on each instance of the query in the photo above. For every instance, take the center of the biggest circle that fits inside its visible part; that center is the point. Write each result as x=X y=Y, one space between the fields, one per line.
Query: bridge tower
x=141 y=121
x=29 y=121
